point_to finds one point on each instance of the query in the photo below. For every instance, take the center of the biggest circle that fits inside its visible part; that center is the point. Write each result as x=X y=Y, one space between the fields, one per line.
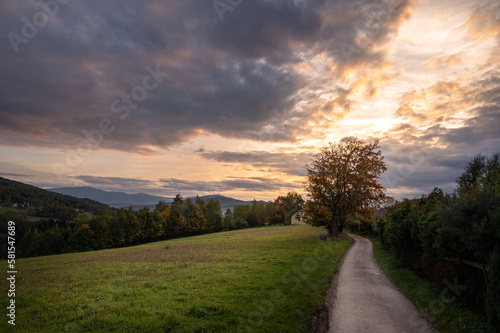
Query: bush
x=360 y=225
x=241 y=224
x=493 y=298
x=463 y=225
x=399 y=223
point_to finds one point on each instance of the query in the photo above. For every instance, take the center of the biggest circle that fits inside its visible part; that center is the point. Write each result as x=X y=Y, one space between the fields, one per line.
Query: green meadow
x=269 y=279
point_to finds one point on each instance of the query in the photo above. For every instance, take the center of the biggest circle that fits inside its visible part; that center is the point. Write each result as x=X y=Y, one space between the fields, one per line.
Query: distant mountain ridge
x=20 y=194
x=138 y=200
x=113 y=199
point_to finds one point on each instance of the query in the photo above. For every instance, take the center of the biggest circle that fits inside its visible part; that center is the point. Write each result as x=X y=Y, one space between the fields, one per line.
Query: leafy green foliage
x=493 y=297
x=467 y=229
x=360 y=225
x=434 y=303
x=184 y=217
x=343 y=179
x=463 y=226
x=283 y=206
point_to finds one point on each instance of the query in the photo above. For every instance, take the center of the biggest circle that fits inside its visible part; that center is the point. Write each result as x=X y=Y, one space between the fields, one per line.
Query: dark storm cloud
x=224 y=77
x=353 y=30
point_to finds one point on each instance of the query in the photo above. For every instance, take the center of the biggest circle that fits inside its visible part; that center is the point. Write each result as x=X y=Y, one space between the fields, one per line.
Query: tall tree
x=197 y=222
x=471 y=218
x=161 y=206
x=293 y=200
x=176 y=223
x=343 y=179
x=228 y=220
x=269 y=212
x=117 y=225
x=213 y=214
x=279 y=210
x=240 y=212
x=101 y=232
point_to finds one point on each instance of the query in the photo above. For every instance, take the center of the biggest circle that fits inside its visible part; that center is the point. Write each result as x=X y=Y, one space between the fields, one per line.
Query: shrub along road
x=366 y=301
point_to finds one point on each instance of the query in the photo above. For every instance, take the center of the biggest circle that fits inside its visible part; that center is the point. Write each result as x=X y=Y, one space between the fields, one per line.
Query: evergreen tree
x=197 y=223
x=228 y=220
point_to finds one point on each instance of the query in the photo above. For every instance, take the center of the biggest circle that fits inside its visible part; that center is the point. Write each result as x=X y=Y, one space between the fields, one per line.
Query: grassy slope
x=433 y=303
x=255 y=280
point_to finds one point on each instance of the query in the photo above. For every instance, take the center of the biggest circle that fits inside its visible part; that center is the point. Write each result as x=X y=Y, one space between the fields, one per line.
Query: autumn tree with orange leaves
x=342 y=180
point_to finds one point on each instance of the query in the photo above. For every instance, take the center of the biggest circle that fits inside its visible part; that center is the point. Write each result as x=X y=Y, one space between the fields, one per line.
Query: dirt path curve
x=366 y=301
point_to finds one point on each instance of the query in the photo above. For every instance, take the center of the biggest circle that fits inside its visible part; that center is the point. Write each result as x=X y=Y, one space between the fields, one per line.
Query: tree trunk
x=333 y=228
x=341 y=224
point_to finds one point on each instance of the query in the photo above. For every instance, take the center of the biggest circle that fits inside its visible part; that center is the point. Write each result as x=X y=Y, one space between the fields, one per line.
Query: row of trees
x=126 y=227
x=446 y=236
x=463 y=227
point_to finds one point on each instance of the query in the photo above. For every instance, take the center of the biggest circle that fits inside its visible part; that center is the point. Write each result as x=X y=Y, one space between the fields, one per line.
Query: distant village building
x=23 y=205
x=298 y=216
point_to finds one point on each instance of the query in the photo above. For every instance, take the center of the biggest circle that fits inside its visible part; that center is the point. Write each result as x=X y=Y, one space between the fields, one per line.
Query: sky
x=236 y=96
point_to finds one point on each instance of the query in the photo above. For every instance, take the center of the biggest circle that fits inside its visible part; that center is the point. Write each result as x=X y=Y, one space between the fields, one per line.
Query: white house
x=298 y=216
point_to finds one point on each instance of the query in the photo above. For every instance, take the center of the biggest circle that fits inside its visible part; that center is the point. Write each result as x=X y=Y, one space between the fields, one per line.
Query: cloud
x=482 y=128
x=289 y=163
x=247 y=184
x=441 y=128
x=14 y=174
x=444 y=61
x=114 y=181
x=484 y=23
x=170 y=186
x=355 y=32
x=224 y=77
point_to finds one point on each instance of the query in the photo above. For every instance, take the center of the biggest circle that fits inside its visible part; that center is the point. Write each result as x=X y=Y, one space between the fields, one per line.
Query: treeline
x=126 y=227
x=12 y=192
x=60 y=213
x=451 y=239
x=258 y=214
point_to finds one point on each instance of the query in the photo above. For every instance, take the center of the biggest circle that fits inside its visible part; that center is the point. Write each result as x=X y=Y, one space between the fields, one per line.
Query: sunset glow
x=167 y=97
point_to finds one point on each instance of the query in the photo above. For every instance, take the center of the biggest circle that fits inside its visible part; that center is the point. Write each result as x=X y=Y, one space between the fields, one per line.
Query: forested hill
x=16 y=193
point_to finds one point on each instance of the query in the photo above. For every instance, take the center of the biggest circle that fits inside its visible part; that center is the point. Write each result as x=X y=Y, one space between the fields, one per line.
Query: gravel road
x=366 y=301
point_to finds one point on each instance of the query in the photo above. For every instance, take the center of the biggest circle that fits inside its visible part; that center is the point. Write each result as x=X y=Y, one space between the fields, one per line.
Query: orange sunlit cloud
x=238 y=106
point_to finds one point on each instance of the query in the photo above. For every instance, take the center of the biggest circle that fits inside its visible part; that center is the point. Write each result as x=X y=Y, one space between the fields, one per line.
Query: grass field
x=7 y=209
x=256 y=280
x=435 y=304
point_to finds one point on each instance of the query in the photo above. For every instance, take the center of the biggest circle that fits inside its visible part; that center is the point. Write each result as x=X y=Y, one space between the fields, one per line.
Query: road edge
x=321 y=323
x=398 y=289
